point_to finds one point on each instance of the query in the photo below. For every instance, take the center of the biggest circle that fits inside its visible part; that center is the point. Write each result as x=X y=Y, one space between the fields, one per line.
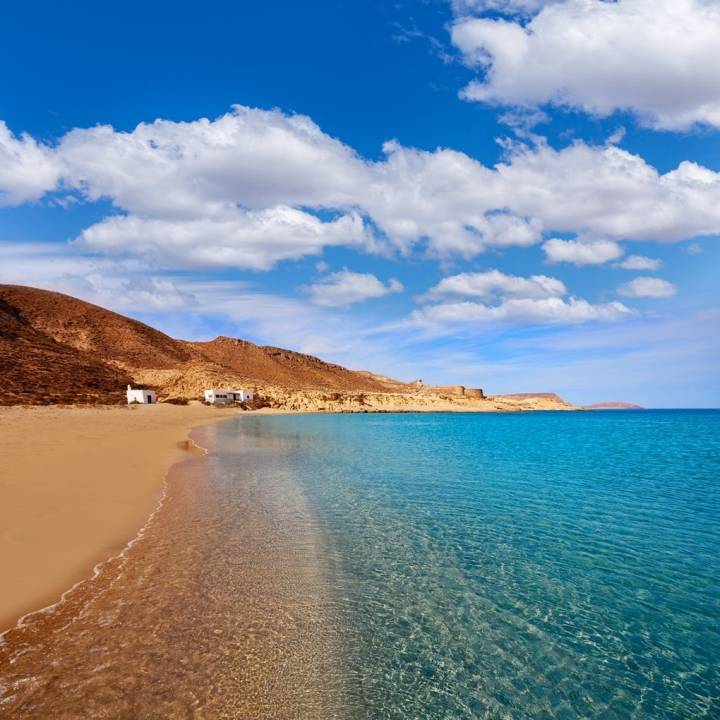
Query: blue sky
x=522 y=195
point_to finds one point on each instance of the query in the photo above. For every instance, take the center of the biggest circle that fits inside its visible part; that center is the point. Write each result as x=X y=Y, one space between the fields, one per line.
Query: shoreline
x=82 y=482
x=79 y=487
x=226 y=584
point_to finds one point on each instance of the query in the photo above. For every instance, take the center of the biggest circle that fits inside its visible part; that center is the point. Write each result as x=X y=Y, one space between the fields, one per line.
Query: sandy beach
x=222 y=609
x=76 y=486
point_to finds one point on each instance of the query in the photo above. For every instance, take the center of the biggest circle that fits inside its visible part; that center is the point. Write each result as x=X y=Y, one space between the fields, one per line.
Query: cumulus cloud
x=655 y=58
x=256 y=240
x=537 y=299
x=493 y=282
x=639 y=262
x=254 y=187
x=346 y=288
x=581 y=252
x=28 y=169
x=648 y=287
x=546 y=311
x=255 y=158
x=609 y=192
x=258 y=159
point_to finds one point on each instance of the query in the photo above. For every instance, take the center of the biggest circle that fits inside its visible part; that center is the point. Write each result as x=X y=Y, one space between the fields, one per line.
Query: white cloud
x=639 y=262
x=247 y=239
x=647 y=287
x=493 y=282
x=546 y=311
x=655 y=58
x=125 y=286
x=256 y=158
x=537 y=300
x=609 y=192
x=27 y=169
x=254 y=187
x=454 y=203
x=346 y=288
x=694 y=249
x=581 y=252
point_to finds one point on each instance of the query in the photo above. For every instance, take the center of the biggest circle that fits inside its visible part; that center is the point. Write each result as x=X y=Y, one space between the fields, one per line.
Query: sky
x=518 y=195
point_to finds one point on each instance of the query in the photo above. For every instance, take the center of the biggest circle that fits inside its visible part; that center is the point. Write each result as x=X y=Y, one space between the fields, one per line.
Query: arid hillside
x=58 y=349
x=36 y=369
x=276 y=366
x=108 y=336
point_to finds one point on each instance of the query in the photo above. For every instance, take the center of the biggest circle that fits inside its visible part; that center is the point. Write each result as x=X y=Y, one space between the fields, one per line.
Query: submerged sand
x=76 y=485
x=221 y=609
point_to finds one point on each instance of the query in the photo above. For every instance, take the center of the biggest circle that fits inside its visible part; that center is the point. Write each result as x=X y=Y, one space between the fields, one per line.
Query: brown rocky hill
x=107 y=335
x=56 y=348
x=286 y=368
x=35 y=369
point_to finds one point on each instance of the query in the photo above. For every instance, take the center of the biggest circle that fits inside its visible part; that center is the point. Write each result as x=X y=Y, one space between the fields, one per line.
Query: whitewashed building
x=243 y=395
x=223 y=396
x=145 y=397
x=217 y=396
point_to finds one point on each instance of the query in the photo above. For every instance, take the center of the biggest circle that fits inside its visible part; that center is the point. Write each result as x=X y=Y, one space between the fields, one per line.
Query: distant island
x=614 y=406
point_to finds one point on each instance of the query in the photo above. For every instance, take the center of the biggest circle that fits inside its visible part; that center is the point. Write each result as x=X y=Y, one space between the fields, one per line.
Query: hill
x=58 y=349
x=36 y=369
x=287 y=368
x=88 y=328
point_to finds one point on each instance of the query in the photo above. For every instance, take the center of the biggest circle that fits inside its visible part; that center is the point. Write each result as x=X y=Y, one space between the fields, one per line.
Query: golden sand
x=76 y=484
x=223 y=608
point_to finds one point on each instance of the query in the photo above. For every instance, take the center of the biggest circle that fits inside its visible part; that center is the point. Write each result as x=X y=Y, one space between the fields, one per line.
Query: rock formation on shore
x=58 y=349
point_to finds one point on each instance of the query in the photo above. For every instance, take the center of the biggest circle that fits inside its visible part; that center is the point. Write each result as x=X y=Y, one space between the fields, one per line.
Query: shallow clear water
x=220 y=609
x=549 y=565
x=540 y=565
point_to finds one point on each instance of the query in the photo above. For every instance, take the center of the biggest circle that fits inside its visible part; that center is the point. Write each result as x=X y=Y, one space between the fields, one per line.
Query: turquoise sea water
x=549 y=565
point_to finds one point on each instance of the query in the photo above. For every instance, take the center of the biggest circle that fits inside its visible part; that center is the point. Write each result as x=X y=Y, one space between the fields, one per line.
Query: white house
x=223 y=396
x=141 y=396
x=217 y=396
x=243 y=395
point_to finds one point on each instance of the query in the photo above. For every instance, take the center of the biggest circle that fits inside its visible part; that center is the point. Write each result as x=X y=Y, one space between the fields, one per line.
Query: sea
x=405 y=566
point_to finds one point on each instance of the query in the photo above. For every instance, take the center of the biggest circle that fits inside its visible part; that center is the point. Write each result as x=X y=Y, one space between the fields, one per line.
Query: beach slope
x=76 y=485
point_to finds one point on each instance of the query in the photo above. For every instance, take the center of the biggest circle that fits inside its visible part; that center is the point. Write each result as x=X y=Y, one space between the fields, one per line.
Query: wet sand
x=221 y=609
x=76 y=484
